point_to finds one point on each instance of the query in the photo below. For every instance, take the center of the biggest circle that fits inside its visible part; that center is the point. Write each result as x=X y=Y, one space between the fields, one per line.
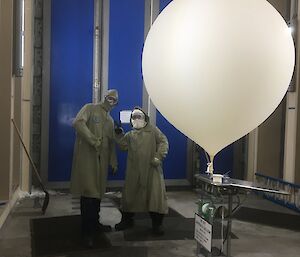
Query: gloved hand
x=118 y=128
x=114 y=169
x=155 y=162
x=97 y=145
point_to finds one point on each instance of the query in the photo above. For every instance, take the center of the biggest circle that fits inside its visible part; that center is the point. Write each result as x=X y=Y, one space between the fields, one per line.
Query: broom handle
x=28 y=155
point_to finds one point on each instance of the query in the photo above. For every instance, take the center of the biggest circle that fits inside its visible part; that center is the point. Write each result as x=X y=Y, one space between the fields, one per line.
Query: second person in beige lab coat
x=144 y=189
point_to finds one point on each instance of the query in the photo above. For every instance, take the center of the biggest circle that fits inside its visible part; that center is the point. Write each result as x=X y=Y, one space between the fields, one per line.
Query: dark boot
x=126 y=221
x=157 y=219
x=104 y=228
x=88 y=242
x=88 y=221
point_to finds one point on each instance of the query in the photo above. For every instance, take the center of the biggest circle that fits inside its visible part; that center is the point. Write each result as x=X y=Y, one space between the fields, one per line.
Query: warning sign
x=203 y=232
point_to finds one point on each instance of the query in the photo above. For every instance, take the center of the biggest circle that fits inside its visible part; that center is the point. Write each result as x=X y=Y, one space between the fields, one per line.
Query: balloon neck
x=210 y=165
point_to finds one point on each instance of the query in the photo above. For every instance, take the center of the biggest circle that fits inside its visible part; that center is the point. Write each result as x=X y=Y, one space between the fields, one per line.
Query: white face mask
x=138 y=123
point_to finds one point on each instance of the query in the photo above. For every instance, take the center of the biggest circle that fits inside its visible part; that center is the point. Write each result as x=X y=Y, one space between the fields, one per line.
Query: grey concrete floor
x=254 y=240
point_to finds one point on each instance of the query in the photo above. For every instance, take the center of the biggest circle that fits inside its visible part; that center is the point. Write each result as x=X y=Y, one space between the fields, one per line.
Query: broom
x=46 y=200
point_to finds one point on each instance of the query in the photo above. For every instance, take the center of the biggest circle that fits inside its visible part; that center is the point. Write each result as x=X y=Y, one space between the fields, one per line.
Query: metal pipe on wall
x=18 y=38
x=292 y=107
x=151 y=12
x=97 y=53
x=293 y=16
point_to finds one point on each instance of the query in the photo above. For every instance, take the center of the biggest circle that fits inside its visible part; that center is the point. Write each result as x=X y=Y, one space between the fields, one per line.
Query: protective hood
x=137 y=123
x=108 y=104
x=113 y=93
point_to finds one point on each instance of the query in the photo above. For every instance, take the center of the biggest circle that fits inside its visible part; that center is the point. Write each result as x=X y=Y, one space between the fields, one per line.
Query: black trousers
x=89 y=208
x=157 y=218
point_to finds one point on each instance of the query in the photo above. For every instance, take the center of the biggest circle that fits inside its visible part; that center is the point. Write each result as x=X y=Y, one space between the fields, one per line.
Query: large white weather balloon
x=216 y=69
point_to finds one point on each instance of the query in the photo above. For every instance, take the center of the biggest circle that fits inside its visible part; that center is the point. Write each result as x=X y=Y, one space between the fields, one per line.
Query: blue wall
x=125 y=51
x=70 y=78
x=126 y=39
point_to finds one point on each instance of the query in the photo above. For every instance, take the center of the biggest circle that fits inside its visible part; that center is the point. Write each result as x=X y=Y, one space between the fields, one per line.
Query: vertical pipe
x=97 y=51
x=228 y=252
x=26 y=95
x=291 y=108
x=46 y=89
x=293 y=13
x=104 y=47
x=151 y=12
x=19 y=38
x=252 y=141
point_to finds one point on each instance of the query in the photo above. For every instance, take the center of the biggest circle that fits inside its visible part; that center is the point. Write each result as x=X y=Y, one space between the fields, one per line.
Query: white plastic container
x=217 y=178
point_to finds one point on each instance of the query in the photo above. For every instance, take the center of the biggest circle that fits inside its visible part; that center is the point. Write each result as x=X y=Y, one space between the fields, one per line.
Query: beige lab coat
x=89 y=170
x=144 y=188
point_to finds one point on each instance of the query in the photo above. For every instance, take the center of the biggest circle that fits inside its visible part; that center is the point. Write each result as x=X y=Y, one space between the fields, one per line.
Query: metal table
x=231 y=187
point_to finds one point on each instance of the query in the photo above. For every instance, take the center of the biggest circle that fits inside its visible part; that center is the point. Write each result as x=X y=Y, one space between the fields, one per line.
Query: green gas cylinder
x=208 y=211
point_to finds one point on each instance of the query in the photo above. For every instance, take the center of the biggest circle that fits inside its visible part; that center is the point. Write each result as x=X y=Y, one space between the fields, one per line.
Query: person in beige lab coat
x=144 y=189
x=94 y=151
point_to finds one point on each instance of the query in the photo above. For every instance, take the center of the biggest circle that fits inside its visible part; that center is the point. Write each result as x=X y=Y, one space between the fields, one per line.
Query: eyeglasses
x=111 y=99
